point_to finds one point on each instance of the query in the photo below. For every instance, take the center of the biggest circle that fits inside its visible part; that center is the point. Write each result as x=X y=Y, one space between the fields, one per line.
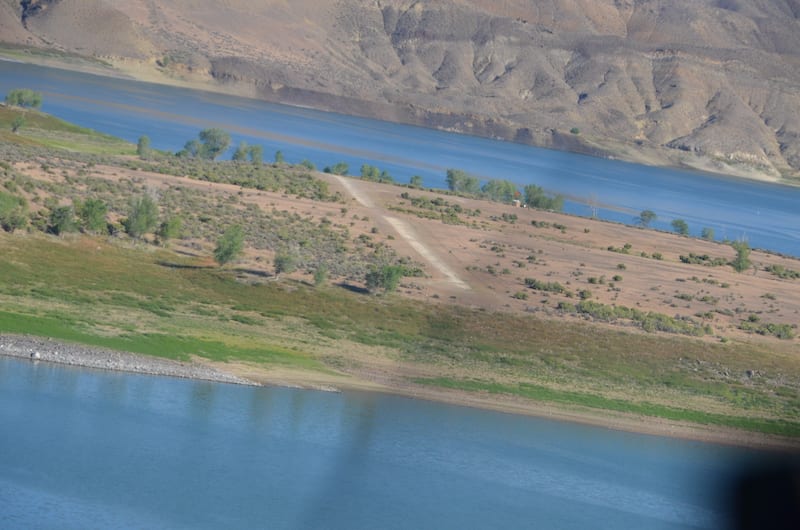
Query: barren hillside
x=712 y=84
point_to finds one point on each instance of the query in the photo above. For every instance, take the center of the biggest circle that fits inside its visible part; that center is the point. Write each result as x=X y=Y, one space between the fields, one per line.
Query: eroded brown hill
x=715 y=84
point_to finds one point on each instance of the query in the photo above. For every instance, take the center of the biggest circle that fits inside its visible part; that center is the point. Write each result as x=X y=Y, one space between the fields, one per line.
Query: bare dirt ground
x=484 y=262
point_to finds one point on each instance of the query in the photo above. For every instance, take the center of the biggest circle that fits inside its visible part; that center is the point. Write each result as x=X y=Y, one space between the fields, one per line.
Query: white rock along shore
x=42 y=349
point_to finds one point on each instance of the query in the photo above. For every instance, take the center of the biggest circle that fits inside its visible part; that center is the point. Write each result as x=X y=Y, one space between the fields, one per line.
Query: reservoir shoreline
x=125 y=71
x=37 y=349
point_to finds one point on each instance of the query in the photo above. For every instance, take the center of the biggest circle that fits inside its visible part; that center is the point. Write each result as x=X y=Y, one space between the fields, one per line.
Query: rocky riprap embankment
x=39 y=349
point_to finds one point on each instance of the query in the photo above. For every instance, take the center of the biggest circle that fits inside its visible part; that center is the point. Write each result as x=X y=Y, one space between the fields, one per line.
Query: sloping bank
x=39 y=349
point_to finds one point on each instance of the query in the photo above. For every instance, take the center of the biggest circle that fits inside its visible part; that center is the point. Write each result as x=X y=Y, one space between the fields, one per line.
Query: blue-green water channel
x=91 y=449
x=767 y=215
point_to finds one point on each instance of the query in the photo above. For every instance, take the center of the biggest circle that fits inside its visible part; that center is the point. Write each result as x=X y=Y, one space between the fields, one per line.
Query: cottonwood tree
x=169 y=229
x=142 y=217
x=210 y=144
x=13 y=212
x=340 y=168
x=680 y=226
x=320 y=275
x=143 y=146
x=535 y=197
x=240 y=155
x=215 y=142
x=646 y=217
x=92 y=214
x=374 y=174
x=229 y=245
x=386 y=278
x=742 y=260
x=256 y=154
x=24 y=97
x=62 y=220
x=17 y=124
x=500 y=190
x=462 y=182
x=284 y=263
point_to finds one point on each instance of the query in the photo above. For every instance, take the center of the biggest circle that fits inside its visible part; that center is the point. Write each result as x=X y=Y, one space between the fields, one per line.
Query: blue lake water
x=92 y=449
x=767 y=215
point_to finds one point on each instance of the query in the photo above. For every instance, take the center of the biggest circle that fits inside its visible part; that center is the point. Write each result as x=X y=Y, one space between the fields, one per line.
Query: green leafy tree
x=170 y=229
x=143 y=146
x=500 y=190
x=340 y=168
x=279 y=157
x=214 y=142
x=209 y=145
x=535 y=197
x=256 y=154
x=24 y=97
x=142 y=217
x=92 y=214
x=191 y=149
x=387 y=278
x=461 y=182
x=17 y=124
x=308 y=164
x=320 y=275
x=708 y=234
x=681 y=227
x=284 y=263
x=646 y=217
x=241 y=153
x=742 y=260
x=416 y=181
x=371 y=173
x=374 y=174
x=229 y=245
x=62 y=220
x=13 y=212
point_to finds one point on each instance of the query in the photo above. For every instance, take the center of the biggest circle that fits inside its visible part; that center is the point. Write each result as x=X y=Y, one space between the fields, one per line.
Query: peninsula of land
x=494 y=305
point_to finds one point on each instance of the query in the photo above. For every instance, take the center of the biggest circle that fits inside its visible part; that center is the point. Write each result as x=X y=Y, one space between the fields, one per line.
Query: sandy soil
x=484 y=264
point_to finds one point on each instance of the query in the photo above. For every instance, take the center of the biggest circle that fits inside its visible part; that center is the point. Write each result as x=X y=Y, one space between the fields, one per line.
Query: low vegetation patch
x=782 y=272
x=566 y=397
x=703 y=259
x=754 y=325
x=648 y=320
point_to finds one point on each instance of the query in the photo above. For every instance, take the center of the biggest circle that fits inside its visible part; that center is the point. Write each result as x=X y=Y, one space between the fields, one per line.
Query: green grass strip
x=541 y=393
x=154 y=344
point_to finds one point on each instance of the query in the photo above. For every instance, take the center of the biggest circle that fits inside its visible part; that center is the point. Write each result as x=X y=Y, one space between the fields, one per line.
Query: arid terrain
x=482 y=259
x=713 y=85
